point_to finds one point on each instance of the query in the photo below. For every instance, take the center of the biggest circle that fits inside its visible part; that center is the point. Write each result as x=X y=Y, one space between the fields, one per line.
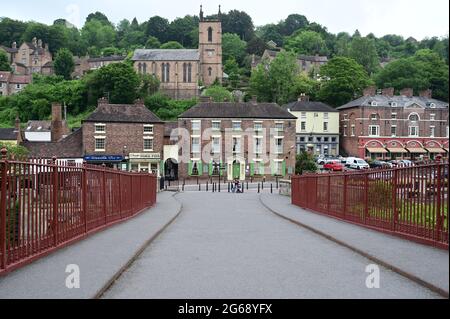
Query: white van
x=357 y=163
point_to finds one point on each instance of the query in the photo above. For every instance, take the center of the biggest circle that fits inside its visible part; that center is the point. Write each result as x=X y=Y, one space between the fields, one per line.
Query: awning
x=417 y=150
x=435 y=150
x=377 y=150
x=397 y=150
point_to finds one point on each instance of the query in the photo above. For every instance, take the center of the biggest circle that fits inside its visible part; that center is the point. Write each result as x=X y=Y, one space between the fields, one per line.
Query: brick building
x=236 y=140
x=125 y=136
x=11 y=83
x=386 y=126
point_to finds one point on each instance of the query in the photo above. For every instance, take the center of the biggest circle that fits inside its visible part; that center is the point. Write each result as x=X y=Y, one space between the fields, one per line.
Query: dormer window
x=374 y=103
x=432 y=105
x=393 y=104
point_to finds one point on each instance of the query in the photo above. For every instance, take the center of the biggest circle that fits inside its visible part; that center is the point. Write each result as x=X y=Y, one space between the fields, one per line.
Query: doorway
x=236 y=170
x=171 y=169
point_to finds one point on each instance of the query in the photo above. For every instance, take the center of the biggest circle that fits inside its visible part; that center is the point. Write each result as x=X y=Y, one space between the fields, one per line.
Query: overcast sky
x=417 y=18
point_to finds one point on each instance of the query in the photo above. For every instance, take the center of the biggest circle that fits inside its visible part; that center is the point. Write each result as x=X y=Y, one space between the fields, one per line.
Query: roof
x=168 y=127
x=9 y=50
x=107 y=58
x=123 y=113
x=8 y=134
x=38 y=126
x=49 y=64
x=69 y=147
x=20 y=79
x=4 y=76
x=309 y=106
x=166 y=55
x=402 y=101
x=237 y=111
x=313 y=58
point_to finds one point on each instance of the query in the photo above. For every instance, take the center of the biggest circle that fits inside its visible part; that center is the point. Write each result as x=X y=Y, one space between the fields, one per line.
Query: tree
x=53 y=35
x=149 y=85
x=293 y=23
x=97 y=34
x=256 y=46
x=100 y=17
x=158 y=27
x=4 y=62
x=305 y=85
x=343 y=79
x=304 y=162
x=17 y=152
x=232 y=69
x=152 y=43
x=364 y=51
x=306 y=42
x=238 y=22
x=233 y=47
x=271 y=32
x=180 y=30
x=218 y=94
x=118 y=80
x=172 y=45
x=11 y=31
x=64 y=64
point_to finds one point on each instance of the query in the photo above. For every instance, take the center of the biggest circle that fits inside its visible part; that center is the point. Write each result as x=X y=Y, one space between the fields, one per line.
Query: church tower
x=210 y=48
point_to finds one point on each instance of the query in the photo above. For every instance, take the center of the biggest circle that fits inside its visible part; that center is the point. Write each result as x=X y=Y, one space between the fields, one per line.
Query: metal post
x=55 y=202
x=366 y=198
x=344 y=208
x=219 y=187
x=247 y=185
x=207 y=186
x=329 y=194
x=199 y=187
x=258 y=188
x=439 y=217
x=104 y=191
x=4 y=176
x=394 y=202
x=271 y=188
x=84 y=195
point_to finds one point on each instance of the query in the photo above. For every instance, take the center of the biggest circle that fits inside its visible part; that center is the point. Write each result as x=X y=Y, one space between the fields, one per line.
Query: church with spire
x=183 y=72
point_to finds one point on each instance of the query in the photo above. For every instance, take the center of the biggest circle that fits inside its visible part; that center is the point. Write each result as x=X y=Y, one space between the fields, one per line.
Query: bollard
x=243 y=187
x=271 y=189
x=199 y=187
x=229 y=188
x=207 y=186
x=213 y=186
x=182 y=187
x=219 y=187
x=262 y=185
x=258 y=188
x=247 y=185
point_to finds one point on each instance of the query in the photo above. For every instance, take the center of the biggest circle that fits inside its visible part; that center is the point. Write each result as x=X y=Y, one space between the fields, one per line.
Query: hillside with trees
x=355 y=61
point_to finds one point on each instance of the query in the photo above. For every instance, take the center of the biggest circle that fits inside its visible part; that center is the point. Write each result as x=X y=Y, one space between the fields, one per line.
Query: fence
x=410 y=202
x=45 y=206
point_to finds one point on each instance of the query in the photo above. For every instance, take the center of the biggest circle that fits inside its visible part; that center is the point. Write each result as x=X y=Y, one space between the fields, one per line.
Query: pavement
x=232 y=246
x=427 y=264
x=100 y=257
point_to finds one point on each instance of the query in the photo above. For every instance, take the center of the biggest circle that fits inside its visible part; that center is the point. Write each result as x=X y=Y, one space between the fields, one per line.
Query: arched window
x=189 y=72
x=140 y=68
x=184 y=72
x=144 y=68
x=210 y=32
x=163 y=72
x=167 y=72
x=210 y=71
x=414 y=117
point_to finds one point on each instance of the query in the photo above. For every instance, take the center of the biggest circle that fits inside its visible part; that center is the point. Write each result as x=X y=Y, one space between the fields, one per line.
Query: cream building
x=182 y=72
x=317 y=127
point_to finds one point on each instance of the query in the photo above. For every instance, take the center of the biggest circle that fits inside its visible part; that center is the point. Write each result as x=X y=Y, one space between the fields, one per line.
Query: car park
x=334 y=166
x=359 y=164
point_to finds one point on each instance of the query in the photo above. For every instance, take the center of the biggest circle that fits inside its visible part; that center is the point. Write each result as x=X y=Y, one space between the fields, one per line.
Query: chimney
x=57 y=130
x=370 y=91
x=18 y=131
x=39 y=43
x=34 y=41
x=102 y=101
x=254 y=100
x=139 y=102
x=388 y=92
x=408 y=92
x=303 y=98
x=426 y=93
x=14 y=45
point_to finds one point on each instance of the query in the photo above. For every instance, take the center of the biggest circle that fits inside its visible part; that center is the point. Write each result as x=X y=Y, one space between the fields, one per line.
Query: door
x=236 y=170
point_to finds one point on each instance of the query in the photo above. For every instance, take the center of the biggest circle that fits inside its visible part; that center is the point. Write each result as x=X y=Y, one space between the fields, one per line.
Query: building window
x=277 y=168
x=236 y=126
x=333 y=140
x=303 y=116
x=216 y=145
x=196 y=126
x=325 y=116
x=345 y=130
x=353 y=130
x=189 y=72
x=148 y=129
x=258 y=145
x=374 y=117
x=319 y=139
x=18 y=86
x=210 y=71
x=432 y=131
x=432 y=117
x=100 y=128
x=325 y=126
x=144 y=68
x=148 y=144
x=310 y=139
x=393 y=131
x=303 y=126
x=184 y=72
x=279 y=146
x=258 y=127
x=413 y=131
x=394 y=116
x=100 y=144
x=374 y=130
x=165 y=76
x=210 y=34
x=236 y=145
x=414 y=118
x=195 y=170
x=279 y=127
x=216 y=125
x=196 y=145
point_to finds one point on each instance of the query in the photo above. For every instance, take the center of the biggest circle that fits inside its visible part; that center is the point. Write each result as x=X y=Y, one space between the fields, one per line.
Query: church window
x=144 y=68
x=139 y=68
x=210 y=32
x=184 y=72
x=165 y=72
x=189 y=72
x=210 y=71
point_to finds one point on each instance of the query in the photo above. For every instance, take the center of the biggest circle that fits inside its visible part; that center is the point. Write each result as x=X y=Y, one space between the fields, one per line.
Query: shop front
x=145 y=162
x=110 y=161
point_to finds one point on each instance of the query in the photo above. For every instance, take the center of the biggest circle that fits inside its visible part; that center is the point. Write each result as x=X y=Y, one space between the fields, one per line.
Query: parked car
x=322 y=160
x=334 y=166
x=394 y=163
x=378 y=164
x=349 y=161
x=407 y=163
x=359 y=164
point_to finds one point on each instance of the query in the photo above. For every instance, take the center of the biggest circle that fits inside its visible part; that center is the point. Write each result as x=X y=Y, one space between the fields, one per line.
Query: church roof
x=166 y=55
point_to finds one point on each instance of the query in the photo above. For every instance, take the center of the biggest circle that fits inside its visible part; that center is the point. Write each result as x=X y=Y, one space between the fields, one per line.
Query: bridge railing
x=45 y=206
x=411 y=202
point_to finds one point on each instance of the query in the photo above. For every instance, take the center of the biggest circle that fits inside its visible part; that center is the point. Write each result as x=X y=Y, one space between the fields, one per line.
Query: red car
x=334 y=166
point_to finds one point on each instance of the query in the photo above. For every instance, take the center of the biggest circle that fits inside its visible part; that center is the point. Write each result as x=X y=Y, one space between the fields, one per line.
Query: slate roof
x=313 y=58
x=33 y=126
x=123 y=113
x=309 y=106
x=107 y=58
x=9 y=50
x=166 y=55
x=8 y=134
x=242 y=110
x=402 y=101
x=69 y=147
x=4 y=76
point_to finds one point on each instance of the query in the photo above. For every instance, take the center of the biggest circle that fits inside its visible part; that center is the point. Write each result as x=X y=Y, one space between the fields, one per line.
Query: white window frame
x=216 y=147
x=195 y=123
x=148 y=126
x=394 y=116
x=238 y=145
x=432 y=131
x=377 y=127
x=196 y=147
x=213 y=123
x=236 y=123
x=326 y=126
x=100 y=125
x=279 y=149
x=432 y=117
x=416 y=130
x=303 y=116
x=97 y=138
x=148 y=149
x=395 y=129
x=258 y=126
x=303 y=123
x=353 y=130
x=258 y=149
x=326 y=116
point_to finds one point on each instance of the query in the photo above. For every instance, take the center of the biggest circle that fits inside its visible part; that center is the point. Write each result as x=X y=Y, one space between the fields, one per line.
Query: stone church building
x=183 y=71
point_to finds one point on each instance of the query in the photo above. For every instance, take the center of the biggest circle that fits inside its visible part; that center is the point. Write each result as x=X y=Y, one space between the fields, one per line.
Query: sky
x=416 y=18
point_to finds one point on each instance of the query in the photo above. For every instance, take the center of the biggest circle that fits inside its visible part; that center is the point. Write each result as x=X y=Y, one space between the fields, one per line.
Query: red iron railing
x=411 y=202
x=45 y=206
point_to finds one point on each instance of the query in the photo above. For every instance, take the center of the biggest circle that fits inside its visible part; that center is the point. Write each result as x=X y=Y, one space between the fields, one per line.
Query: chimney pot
x=426 y=93
x=388 y=92
x=57 y=130
x=139 y=102
x=303 y=98
x=370 y=91
x=102 y=101
x=408 y=92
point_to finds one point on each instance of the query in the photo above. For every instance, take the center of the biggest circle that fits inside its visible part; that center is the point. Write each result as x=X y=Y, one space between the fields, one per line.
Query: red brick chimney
x=254 y=100
x=370 y=91
x=57 y=128
x=408 y=92
x=102 y=101
x=426 y=93
x=303 y=98
x=18 y=131
x=388 y=92
x=139 y=102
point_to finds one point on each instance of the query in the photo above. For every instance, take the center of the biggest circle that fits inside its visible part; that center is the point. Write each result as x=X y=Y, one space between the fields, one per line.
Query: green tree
x=305 y=85
x=100 y=17
x=181 y=30
x=218 y=94
x=364 y=51
x=233 y=47
x=256 y=46
x=149 y=85
x=293 y=23
x=304 y=163
x=11 y=31
x=158 y=27
x=152 y=43
x=343 y=79
x=270 y=32
x=97 y=34
x=64 y=64
x=231 y=67
x=238 y=22
x=4 y=62
x=172 y=45
x=306 y=42
x=118 y=80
